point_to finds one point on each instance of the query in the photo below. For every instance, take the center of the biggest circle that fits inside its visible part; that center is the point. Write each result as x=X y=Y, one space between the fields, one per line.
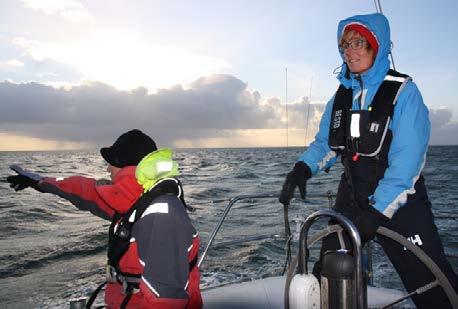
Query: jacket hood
x=379 y=26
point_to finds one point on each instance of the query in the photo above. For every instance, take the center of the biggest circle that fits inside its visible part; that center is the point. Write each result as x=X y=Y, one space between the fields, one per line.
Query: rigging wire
x=308 y=111
x=286 y=105
x=378 y=8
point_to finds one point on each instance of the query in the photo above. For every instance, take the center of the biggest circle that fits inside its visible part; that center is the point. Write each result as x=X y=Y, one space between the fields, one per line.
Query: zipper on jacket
x=360 y=80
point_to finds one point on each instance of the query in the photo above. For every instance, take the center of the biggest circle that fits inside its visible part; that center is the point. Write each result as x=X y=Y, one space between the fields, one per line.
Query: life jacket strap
x=130 y=282
x=130 y=285
x=94 y=295
x=126 y=301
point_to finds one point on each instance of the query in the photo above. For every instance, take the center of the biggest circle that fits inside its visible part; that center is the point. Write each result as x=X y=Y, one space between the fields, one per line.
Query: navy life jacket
x=363 y=132
x=122 y=224
x=363 y=137
x=120 y=233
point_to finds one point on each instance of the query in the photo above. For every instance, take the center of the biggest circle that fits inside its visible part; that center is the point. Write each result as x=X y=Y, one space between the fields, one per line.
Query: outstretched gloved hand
x=296 y=178
x=368 y=222
x=20 y=182
x=23 y=180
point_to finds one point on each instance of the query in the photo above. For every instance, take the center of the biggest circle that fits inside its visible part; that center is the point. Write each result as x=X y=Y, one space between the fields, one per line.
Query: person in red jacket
x=158 y=266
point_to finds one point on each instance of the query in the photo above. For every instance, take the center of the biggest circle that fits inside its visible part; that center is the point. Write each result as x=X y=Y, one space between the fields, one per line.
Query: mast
x=286 y=105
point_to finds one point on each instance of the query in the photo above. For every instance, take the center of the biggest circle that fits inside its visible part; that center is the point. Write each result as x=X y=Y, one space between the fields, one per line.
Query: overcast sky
x=200 y=73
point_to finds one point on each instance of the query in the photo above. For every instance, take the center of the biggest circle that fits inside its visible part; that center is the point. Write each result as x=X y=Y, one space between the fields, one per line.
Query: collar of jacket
x=125 y=171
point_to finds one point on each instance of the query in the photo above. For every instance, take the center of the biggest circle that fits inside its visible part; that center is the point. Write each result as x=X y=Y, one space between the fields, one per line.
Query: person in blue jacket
x=378 y=125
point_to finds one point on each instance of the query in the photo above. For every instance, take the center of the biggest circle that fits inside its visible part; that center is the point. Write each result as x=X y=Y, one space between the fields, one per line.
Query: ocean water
x=51 y=252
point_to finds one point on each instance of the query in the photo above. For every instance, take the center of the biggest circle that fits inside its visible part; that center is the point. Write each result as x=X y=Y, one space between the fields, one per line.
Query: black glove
x=20 y=182
x=296 y=178
x=368 y=222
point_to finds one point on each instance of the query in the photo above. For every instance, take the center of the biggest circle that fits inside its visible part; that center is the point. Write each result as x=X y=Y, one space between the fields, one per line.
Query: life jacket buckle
x=122 y=231
x=110 y=274
x=129 y=287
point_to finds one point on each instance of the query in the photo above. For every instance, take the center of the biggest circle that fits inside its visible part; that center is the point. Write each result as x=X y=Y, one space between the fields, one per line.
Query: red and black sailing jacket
x=162 y=246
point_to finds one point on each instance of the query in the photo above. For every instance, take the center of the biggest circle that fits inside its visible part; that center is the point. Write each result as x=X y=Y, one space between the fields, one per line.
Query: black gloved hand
x=368 y=222
x=20 y=182
x=296 y=178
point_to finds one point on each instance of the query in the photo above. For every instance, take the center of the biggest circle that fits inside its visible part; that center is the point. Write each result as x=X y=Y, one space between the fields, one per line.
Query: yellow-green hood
x=154 y=167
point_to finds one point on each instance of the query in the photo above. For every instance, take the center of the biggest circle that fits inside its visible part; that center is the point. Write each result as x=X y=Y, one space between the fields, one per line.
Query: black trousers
x=414 y=221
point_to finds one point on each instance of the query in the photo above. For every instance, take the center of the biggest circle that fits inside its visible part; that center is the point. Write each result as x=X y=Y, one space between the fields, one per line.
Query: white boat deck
x=268 y=293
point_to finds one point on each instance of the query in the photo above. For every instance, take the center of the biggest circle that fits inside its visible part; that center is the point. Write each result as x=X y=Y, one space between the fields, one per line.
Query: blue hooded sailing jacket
x=410 y=125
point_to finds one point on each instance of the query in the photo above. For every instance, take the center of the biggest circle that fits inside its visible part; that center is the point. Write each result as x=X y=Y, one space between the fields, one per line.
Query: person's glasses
x=355 y=44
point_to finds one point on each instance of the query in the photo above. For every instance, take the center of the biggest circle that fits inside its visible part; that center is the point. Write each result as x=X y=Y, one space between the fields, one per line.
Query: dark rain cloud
x=210 y=107
x=95 y=113
x=443 y=128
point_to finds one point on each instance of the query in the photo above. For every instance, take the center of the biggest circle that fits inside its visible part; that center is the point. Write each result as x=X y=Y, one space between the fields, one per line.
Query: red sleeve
x=102 y=200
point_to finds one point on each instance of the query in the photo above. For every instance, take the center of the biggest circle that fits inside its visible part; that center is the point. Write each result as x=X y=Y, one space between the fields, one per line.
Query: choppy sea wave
x=52 y=252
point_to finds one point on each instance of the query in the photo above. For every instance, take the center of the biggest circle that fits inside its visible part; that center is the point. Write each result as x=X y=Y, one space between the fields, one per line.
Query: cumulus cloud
x=12 y=63
x=210 y=107
x=136 y=62
x=70 y=10
x=210 y=110
x=443 y=128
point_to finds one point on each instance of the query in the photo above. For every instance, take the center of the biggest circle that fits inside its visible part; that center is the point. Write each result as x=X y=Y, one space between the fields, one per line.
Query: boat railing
x=440 y=278
x=239 y=198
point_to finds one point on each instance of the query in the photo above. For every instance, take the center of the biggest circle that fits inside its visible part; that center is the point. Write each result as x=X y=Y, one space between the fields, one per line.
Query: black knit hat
x=129 y=149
